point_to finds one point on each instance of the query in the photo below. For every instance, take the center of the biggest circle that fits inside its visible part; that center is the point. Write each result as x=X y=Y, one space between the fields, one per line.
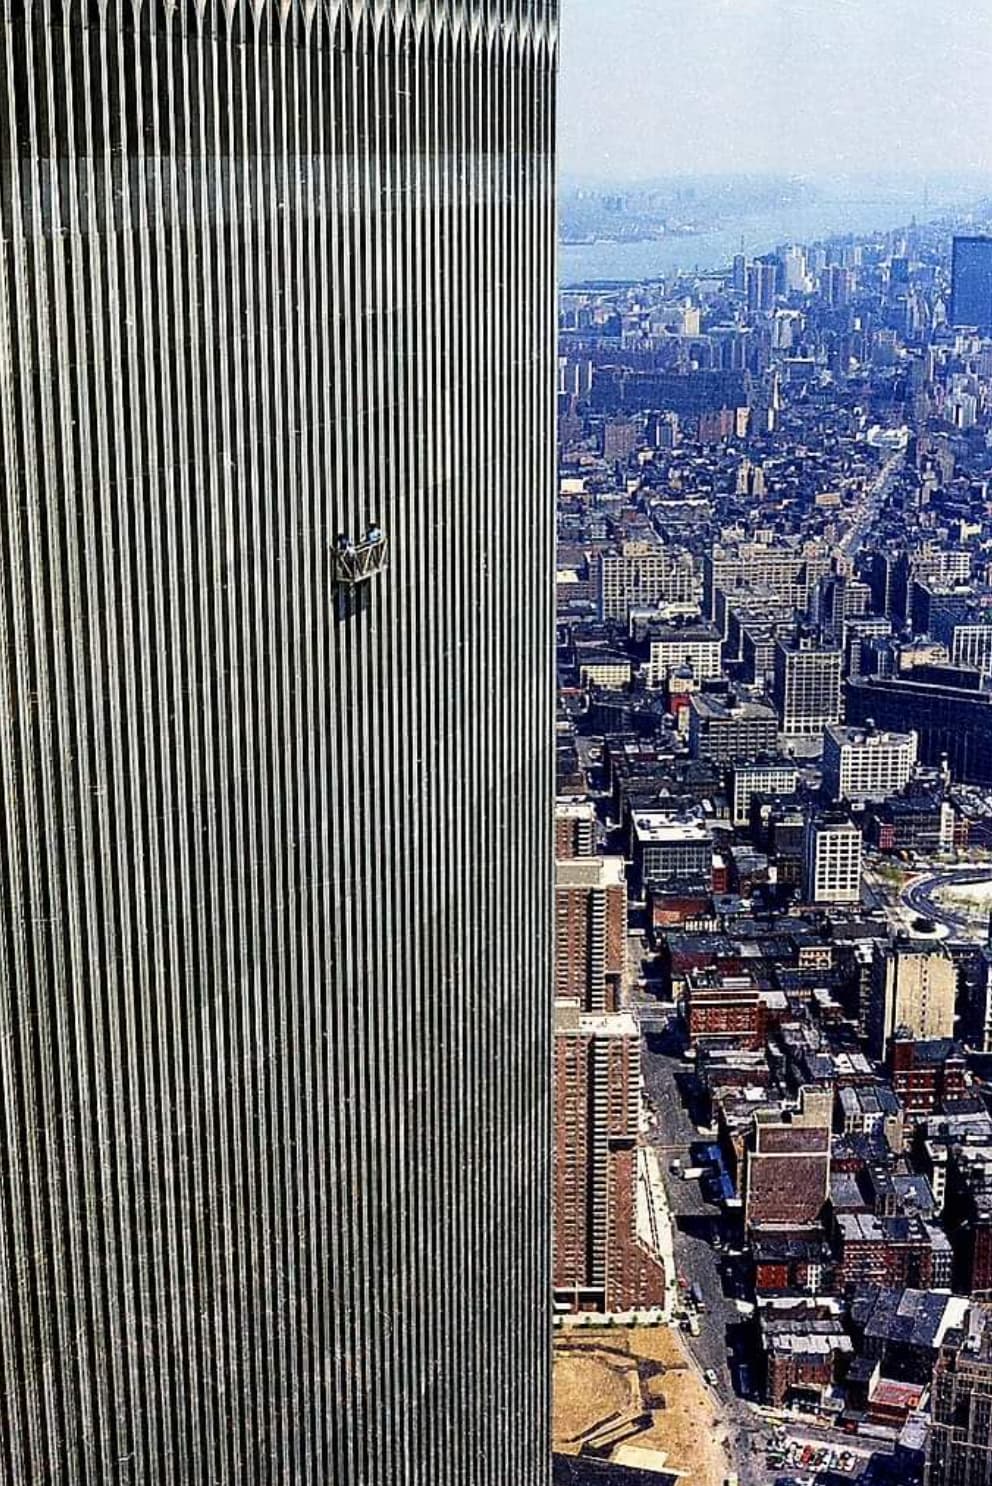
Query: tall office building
x=833 y=856
x=971 y=283
x=696 y=645
x=807 y=687
x=728 y=728
x=959 y=1445
x=953 y=722
x=914 y=986
x=645 y=575
x=971 y=647
x=792 y=575
x=762 y=284
x=866 y=763
x=275 y=972
x=769 y=775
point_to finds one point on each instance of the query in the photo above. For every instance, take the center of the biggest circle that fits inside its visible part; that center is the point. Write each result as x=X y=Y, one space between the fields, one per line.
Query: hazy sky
x=807 y=86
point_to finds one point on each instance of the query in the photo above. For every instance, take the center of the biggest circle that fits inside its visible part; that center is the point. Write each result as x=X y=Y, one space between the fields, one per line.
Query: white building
x=772 y=776
x=833 y=861
x=698 y=646
x=971 y=645
x=867 y=763
x=807 y=687
x=611 y=675
x=645 y=576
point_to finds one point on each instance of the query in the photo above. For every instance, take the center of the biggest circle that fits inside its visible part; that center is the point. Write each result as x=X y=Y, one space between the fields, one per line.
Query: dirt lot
x=591 y=1387
x=594 y=1374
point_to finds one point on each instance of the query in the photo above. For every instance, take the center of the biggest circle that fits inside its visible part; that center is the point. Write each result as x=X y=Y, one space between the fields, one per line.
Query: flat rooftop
x=657 y=828
x=855 y=737
x=590 y=872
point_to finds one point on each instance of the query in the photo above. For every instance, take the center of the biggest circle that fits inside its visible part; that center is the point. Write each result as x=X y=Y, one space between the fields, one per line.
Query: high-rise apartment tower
x=275 y=915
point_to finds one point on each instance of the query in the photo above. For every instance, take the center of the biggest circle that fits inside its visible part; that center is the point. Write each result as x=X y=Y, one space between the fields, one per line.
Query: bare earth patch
x=607 y=1377
x=591 y=1389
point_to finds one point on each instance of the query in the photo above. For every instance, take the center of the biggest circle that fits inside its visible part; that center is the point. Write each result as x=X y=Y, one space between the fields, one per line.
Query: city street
x=921 y=896
x=868 y=508
x=725 y=1340
x=668 y=1082
x=697 y=1222
x=722 y=1342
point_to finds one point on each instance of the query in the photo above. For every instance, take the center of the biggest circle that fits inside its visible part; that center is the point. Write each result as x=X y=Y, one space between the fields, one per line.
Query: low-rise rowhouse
x=805 y=1353
x=902 y=1250
x=787 y=1172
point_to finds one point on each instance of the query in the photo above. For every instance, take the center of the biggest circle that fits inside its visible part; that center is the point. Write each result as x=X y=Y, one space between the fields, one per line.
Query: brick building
x=787 y=1165
x=922 y=823
x=599 y=1262
x=892 y=1252
x=725 y=1008
x=926 y=1076
x=804 y=1349
x=591 y=931
x=679 y=901
x=575 y=829
x=799 y=1261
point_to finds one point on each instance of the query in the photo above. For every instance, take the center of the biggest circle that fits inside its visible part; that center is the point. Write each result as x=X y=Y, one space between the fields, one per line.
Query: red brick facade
x=785 y=1373
x=591 y=933
x=729 y=1008
x=926 y=1076
x=598 y=1262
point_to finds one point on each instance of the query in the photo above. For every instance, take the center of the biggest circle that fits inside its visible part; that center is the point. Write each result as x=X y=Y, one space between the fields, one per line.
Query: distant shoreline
x=633 y=262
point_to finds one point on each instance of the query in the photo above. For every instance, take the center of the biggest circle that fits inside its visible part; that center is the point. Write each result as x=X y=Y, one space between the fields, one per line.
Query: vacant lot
x=602 y=1377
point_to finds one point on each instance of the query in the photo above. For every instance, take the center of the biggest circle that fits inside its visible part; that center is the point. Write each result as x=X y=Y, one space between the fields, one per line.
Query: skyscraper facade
x=971 y=282
x=959 y=1449
x=275 y=971
x=807 y=686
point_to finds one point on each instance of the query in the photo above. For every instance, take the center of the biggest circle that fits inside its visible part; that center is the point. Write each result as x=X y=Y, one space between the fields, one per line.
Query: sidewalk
x=654 y=1220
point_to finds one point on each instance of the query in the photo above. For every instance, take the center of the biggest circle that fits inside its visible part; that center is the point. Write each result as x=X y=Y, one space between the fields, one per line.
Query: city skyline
x=775 y=714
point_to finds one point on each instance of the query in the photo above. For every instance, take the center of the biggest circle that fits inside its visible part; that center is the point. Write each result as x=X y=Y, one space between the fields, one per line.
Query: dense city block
x=774 y=882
